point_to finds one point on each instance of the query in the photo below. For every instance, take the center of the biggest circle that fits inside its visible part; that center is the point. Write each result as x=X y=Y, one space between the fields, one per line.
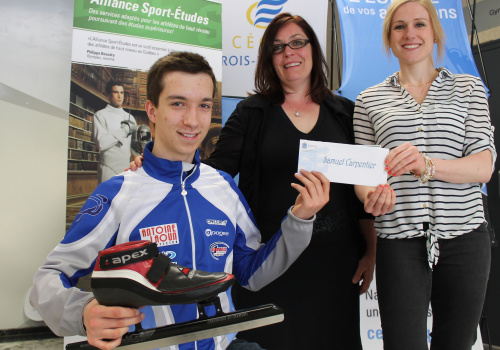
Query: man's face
x=183 y=115
x=116 y=96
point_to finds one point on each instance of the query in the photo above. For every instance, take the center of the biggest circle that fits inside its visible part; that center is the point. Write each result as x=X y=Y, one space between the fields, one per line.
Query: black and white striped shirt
x=452 y=122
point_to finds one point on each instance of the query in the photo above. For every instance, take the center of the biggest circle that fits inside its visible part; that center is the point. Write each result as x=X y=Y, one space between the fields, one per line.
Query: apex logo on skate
x=137 y=338
x=125 y=258
x=218 y=249
x=162 y=235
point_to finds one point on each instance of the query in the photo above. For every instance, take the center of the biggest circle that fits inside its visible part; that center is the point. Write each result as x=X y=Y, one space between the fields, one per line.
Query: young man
x=215 y=230
x=113 y=128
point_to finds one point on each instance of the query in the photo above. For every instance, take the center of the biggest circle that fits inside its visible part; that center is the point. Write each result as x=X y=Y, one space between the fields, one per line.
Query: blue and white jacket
x=199 y=219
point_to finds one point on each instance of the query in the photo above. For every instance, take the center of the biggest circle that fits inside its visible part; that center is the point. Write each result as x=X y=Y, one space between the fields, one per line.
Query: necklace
x=420 y=86
x=297 y=111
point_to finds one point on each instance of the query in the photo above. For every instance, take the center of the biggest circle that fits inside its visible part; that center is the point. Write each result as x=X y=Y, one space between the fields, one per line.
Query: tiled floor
x=46 y=344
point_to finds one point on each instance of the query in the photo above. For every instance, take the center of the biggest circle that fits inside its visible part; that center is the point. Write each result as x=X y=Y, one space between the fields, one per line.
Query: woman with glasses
x=260 y=141
x=434 y=245
x=320 y=292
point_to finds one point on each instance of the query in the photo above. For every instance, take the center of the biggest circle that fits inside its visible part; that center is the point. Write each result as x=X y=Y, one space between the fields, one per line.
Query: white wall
x=35 y=40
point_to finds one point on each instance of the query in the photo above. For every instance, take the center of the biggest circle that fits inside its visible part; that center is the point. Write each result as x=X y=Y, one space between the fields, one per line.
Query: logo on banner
x=260 y=13
x=218 y=250
x=162 y=235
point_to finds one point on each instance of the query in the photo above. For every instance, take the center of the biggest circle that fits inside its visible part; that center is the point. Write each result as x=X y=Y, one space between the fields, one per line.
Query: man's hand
x=106 y=325
x=312 y=196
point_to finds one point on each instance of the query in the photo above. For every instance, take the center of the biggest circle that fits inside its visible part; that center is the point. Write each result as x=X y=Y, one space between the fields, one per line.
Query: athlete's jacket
x=199 y=219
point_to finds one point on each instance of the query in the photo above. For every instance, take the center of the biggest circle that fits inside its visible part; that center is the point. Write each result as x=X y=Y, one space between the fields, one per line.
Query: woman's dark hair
x=267 y=82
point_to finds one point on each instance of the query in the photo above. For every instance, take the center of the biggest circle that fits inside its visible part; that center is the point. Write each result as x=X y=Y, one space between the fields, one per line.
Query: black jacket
x=239 y=146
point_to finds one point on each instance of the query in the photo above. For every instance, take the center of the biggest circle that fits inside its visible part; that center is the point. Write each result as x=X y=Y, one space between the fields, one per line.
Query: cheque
x=344 y=163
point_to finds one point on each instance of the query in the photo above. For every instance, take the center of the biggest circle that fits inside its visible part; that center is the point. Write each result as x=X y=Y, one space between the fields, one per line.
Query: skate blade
x=186 y=332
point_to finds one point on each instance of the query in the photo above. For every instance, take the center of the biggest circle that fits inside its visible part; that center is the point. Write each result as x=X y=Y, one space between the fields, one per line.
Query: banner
x=244 y=23
x=119 y=41
x=134 y=34
x=365 y=62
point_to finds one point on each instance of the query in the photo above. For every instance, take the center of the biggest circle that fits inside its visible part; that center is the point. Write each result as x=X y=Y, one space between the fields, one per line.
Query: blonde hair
x=439 y=35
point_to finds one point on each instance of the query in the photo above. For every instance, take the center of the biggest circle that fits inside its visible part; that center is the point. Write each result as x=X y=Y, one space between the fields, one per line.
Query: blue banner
x=365 y=62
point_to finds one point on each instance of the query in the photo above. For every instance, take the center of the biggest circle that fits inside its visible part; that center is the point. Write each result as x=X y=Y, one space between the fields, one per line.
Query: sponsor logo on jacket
x=218 y=250
x=210 y=233
x=170 y=254
x=217 y=222
x=162 y=235
x=99 y=200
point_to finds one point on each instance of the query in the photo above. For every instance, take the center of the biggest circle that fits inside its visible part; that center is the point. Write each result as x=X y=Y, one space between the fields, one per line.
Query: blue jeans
x=456 y=289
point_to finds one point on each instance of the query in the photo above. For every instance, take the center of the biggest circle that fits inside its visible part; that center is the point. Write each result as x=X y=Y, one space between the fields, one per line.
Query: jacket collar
x=166 y=170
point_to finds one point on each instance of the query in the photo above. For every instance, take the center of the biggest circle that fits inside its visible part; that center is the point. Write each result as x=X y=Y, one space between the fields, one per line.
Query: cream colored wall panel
x=33 y=204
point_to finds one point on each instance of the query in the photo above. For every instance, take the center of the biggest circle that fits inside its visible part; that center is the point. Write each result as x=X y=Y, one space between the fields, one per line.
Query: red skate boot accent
x=135 y=274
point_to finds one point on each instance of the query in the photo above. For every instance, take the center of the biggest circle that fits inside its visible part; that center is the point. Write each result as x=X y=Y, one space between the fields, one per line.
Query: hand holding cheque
x=362 y=166
x=402 y=159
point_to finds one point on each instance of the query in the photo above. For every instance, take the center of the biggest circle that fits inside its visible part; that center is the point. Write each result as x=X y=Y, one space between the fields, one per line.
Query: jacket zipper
x=184 y=195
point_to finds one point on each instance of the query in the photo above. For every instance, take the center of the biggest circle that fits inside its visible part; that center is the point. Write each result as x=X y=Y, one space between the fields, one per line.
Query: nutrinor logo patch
x=162 y=235
x=218 y=250
x=216 y=222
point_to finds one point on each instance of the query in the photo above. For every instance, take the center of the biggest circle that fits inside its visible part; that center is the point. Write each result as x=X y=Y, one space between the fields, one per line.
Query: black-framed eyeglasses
x=294 y=45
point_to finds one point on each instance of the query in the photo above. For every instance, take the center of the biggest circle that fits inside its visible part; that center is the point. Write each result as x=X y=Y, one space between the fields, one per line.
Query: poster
x=244 y=23
x=118 y=41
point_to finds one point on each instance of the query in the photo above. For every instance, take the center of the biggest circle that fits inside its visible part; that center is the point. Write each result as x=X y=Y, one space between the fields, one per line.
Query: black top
x=321 y=304
x=280 y=159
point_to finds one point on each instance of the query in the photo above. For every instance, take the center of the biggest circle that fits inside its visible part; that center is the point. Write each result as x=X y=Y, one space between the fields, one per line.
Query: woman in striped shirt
x=433 y=244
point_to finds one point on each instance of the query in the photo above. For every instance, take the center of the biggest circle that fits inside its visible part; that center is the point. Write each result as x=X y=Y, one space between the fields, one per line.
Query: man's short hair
x=179 y=61
x=110 y=84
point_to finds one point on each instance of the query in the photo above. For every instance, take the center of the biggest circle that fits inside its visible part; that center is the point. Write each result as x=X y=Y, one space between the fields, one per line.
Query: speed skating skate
x=136 y=274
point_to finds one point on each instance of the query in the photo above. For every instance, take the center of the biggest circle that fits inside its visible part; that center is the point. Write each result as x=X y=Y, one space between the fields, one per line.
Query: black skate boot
x=135 y=274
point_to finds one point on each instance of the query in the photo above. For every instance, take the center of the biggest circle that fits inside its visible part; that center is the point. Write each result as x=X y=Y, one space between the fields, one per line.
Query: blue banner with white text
x=365 y=62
